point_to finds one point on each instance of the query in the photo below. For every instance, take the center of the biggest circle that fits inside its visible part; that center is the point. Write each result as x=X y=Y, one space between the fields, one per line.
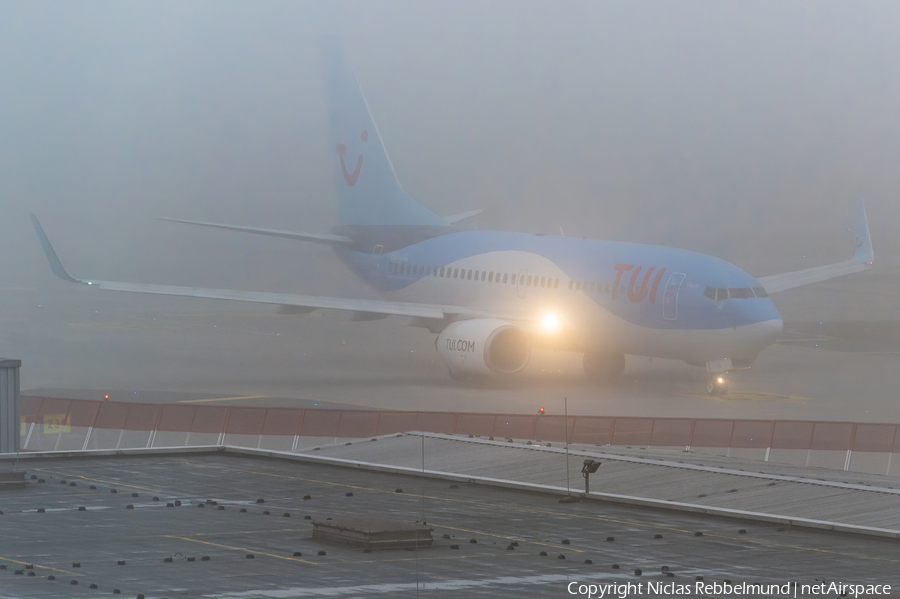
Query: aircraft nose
x=765 y=325
x=775 y=315
x=770 y=321
x=764 y=316
x=774 y=329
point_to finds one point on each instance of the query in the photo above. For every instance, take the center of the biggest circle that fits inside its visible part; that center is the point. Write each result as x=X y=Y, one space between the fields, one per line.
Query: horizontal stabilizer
x=314 y=237
x=461 y=216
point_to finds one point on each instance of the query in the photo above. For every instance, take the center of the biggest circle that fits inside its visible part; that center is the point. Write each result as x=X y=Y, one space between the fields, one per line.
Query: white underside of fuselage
x=701 y=345
x=587 y=325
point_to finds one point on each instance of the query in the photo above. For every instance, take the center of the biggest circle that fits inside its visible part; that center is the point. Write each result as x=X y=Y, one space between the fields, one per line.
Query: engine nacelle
x=484 y=346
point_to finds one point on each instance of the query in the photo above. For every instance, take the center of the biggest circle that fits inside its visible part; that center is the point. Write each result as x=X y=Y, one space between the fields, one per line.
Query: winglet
x=55 y=263
x=864 y=252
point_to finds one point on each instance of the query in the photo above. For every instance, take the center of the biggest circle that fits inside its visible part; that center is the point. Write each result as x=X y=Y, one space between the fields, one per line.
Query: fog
x=742 y=130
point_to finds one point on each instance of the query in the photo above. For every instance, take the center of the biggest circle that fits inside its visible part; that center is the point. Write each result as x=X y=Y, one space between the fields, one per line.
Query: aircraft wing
x=363 y=308
x=281 y=299
x=863 y=258
x=315 y=237
x=799 y=278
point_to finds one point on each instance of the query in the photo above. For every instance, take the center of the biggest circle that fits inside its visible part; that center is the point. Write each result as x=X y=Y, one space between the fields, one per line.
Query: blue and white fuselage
x=611 y=296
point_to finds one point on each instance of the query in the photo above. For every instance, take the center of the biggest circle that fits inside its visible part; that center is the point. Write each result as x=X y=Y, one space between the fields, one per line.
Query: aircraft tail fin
x=369 y=193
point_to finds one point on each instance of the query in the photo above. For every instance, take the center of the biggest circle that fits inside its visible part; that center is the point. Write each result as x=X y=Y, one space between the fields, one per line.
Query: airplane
x=492 y=296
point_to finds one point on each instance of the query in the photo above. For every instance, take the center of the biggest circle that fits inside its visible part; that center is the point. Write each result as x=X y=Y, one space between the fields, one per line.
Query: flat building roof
x=92 y=513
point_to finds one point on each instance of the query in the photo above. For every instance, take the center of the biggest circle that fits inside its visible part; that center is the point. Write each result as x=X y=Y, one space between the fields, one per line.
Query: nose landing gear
x=717 y=385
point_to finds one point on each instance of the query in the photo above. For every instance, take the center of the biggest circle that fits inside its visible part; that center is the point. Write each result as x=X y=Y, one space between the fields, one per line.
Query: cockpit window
x=760 y=292
x=740 y=292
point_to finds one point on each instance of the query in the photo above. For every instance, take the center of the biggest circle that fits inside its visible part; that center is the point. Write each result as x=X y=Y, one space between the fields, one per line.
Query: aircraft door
x=670 y=296
x=520 y=283
x=373 y=264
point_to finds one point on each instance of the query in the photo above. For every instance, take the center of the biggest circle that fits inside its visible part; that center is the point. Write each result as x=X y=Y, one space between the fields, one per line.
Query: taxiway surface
x=144 y=347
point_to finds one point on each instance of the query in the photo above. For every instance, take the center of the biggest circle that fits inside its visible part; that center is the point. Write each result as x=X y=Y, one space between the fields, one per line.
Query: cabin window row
x=398 y=268
x=406 y=269
x=721 y=293
x=590 y=287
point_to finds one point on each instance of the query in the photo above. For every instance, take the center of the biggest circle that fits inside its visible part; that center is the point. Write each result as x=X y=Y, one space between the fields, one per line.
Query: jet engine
x=484 y=346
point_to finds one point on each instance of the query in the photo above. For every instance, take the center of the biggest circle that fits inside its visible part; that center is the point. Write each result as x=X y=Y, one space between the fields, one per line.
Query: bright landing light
x=551 y=323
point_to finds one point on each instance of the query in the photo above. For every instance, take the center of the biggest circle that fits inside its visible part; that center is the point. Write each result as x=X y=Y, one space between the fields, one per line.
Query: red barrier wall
x=875 y=437
x=671 y=432
x=398 y=422
x=176 y=419
x=209 y=419
x=597 y=430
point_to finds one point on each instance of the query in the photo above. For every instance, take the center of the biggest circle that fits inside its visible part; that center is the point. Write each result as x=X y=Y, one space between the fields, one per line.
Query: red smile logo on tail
x=350 y=178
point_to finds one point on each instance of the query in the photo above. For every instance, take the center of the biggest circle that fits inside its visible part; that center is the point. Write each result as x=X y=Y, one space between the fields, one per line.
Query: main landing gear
x=717 y=385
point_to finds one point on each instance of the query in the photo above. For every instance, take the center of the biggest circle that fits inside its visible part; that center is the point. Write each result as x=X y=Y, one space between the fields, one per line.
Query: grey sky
x=738 y=129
